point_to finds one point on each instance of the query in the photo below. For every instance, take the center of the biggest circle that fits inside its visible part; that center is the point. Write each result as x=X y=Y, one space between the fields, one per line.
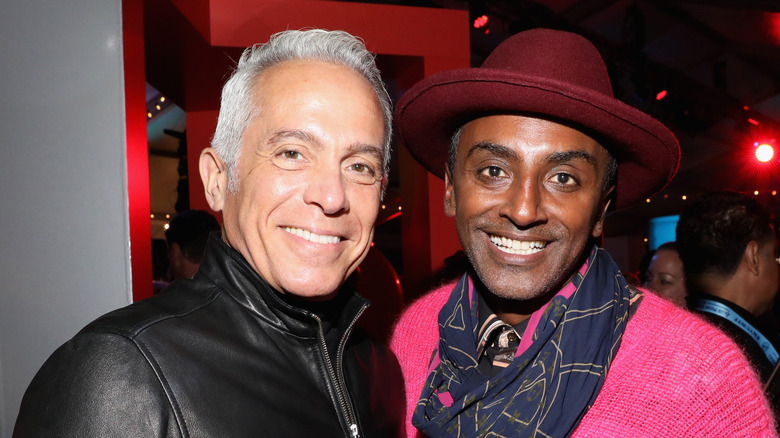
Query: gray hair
x=238 y=107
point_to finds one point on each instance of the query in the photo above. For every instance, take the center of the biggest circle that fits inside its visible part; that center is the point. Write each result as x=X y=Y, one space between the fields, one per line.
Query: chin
x=314 y=290
x=519 y=286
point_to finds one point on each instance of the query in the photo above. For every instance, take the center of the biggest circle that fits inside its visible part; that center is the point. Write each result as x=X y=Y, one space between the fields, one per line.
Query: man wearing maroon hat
x=542 y=336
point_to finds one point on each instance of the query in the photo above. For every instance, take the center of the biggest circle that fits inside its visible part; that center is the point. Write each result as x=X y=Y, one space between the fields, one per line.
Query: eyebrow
x=284 y=134
x=357 y=148
x=562 y=157
x=493 y=148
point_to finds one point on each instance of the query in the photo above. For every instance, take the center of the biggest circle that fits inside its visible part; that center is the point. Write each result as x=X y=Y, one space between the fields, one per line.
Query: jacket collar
x=231 y=273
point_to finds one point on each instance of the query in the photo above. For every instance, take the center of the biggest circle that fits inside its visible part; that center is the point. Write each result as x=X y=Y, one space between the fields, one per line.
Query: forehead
x=320 y=98
x=526 y=134
x=666 y=256
x=311 y=77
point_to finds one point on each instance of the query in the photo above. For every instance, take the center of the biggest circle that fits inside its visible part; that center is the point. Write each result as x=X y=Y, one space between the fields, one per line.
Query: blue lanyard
x=724 y=311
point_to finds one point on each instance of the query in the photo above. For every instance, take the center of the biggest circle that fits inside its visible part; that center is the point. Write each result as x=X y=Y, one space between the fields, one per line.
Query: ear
x=449 y=193
x=751 y=257
x=213 y=172
x=606 y=199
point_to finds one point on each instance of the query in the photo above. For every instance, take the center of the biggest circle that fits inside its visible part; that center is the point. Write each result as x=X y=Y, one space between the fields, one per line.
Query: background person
x=186 y=238
x=728 y=249
x=665 y=275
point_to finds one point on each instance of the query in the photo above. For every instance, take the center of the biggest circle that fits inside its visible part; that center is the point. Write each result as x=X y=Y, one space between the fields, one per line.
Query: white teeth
x=311 y=237
x=517 y=246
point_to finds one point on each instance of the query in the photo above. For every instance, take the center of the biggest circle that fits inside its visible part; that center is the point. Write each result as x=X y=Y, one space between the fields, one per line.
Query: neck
x=732 y=290
x=514 y=312
x=189 y=269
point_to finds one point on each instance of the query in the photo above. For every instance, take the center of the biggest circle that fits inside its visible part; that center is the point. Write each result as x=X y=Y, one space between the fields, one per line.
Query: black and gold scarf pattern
x=558 y=369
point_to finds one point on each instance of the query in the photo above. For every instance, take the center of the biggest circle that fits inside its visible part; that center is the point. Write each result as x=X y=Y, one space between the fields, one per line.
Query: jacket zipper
x=338 y=380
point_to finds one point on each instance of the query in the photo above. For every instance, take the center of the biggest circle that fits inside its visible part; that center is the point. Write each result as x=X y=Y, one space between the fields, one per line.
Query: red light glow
x=661 y=94
x=753 y=122
x=764 y=153
x=480 y=21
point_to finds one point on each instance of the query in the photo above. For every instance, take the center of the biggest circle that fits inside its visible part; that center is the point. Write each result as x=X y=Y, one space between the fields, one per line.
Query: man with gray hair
x=260 y=342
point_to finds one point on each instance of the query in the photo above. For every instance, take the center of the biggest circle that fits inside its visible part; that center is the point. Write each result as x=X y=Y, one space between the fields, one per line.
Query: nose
x=326 y=189
x=524 y=204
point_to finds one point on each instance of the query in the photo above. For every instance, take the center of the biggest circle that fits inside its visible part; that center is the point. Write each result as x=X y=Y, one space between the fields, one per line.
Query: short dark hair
x=190 y=229
x=714 y=231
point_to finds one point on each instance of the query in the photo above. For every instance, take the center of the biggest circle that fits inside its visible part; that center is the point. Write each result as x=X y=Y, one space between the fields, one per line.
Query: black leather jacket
x=222 y=355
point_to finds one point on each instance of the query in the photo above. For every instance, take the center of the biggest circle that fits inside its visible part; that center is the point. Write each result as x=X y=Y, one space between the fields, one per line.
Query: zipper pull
x=354 y=429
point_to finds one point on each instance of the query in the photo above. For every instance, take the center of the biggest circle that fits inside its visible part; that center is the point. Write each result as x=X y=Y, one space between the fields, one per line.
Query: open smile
x=511 y=246
x=312 y=237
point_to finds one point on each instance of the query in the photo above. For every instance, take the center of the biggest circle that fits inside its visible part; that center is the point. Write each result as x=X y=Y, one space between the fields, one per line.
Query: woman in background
x=665 y=275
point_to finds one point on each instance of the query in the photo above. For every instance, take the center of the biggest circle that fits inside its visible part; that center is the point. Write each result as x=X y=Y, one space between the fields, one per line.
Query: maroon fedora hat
x=548 y=73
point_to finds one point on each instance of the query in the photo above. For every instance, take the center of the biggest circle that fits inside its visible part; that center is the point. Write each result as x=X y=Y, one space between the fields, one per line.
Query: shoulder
x=428 y=304
x=664 y=332
x=414 y=338
x=661 y=324
x=183 y=299
x=684 y=375
x=81 y=389
x=418 y=323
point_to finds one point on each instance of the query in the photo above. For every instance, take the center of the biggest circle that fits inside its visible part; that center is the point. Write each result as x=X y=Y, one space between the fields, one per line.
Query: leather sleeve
x=96 y=385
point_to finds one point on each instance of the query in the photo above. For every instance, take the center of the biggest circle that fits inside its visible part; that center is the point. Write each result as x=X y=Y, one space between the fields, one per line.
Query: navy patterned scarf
x=558 y=369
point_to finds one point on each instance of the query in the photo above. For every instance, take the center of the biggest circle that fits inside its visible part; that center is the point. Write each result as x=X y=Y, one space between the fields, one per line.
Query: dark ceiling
x=718 y=61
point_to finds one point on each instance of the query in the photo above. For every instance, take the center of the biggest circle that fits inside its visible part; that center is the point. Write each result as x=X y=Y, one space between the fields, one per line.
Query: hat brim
x=427 y=115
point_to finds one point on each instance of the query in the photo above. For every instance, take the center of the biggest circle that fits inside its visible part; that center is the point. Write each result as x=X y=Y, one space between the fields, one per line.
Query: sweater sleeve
x=96 y=385
x=414 y=338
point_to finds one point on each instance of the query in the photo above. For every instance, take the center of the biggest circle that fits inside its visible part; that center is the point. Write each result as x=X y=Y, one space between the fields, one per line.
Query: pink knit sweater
x=673 y=376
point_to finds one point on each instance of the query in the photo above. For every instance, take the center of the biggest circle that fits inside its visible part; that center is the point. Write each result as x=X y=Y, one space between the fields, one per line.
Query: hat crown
x=553 y=55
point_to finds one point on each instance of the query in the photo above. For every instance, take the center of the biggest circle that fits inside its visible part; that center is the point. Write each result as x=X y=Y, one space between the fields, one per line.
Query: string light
x=155 y=106
x=647 y=200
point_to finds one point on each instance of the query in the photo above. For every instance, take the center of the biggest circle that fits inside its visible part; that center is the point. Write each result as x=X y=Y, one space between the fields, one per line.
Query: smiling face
x=526 y=194
x=309 y=178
